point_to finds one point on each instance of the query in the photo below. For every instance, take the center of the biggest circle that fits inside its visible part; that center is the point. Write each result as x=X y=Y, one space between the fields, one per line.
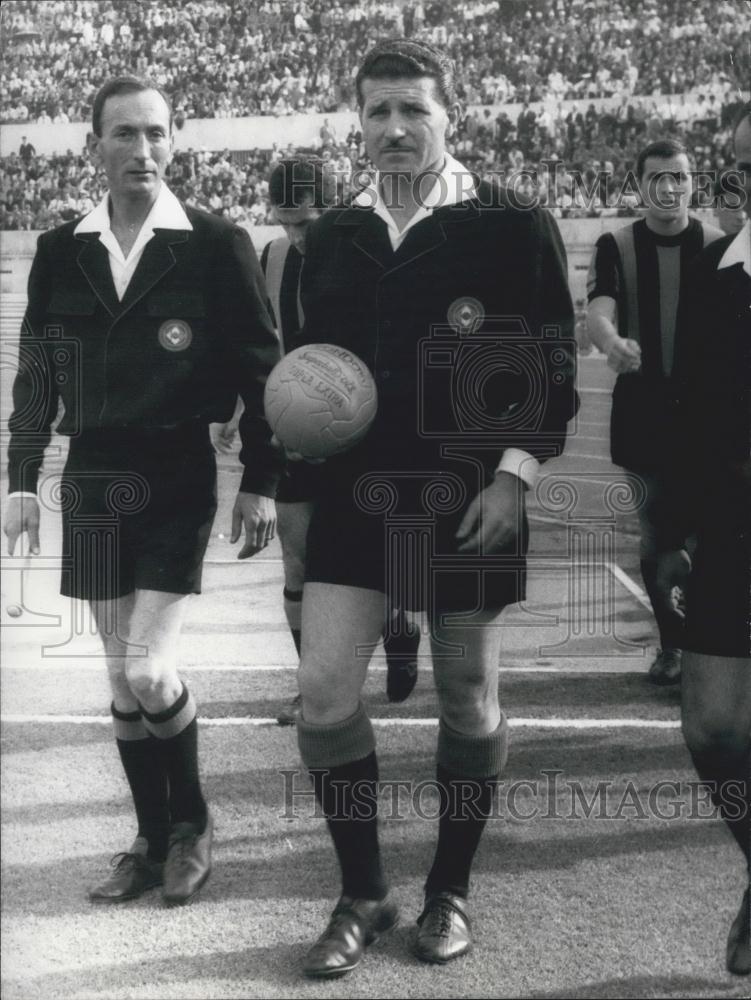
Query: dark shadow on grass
x=585 y=755
x=311 y=872
x=645 y=987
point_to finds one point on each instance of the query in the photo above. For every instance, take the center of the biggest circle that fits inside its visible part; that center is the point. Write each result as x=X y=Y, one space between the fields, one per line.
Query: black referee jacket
x=191 y=332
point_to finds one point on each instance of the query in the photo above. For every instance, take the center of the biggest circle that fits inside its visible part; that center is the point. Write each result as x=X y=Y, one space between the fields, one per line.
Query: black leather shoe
x=291 y=712
x=445 y=929
x=134 y=874
x=354 y=924
x=666 y=668
x=188 y=863
x=739 y=940
x=401 y=677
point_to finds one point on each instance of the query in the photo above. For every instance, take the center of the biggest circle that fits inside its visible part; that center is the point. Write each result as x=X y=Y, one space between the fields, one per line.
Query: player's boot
x=666 y=668
x=188 y=863
x=291 y=712
x=739 y=940
x=445 y=929
x=354 y=924
x=401 y=661
x=134 y=873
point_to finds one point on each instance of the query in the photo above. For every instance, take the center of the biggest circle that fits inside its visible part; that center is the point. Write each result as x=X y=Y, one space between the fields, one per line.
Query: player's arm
x=495 y=516
x=240 y=298
x=623 y=355
x=35 y=401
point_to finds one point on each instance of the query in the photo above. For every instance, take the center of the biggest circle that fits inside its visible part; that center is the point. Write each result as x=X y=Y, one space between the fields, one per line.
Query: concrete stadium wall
x=261 y=131
x=579 y=236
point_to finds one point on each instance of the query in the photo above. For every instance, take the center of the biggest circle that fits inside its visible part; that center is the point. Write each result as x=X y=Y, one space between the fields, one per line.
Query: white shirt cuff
x=21 y=493
x=521 y=464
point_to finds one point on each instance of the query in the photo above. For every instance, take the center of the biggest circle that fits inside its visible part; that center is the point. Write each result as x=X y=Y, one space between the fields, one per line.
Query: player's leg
x=140 y=868
x=716 y=720
x=169 y=714
x=340 y=627
x=401 y=639
x=666 y=668
x=472 y=750
x=292 y=522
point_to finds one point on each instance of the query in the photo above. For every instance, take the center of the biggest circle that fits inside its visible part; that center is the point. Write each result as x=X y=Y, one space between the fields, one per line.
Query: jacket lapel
x=157 y=260
x=93 y=260
x=372 y=237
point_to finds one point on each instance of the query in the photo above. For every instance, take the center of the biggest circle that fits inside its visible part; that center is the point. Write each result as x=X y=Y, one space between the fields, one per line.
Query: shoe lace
x=125 y=859
x=441 y=912
x=444 y=913
x=181 y=843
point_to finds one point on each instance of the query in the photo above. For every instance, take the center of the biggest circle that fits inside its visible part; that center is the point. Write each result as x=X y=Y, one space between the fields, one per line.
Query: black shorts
x=299 y=483
x=394 y=531
x=137 y=512
x=718 y=595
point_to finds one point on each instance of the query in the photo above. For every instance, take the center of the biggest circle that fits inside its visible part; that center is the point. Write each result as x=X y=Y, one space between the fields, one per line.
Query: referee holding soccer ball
x=145 y=319
x=426 y=265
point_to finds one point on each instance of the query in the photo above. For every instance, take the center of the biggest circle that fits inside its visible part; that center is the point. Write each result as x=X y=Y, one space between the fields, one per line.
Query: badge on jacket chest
x=175 y=335
x=465 y=313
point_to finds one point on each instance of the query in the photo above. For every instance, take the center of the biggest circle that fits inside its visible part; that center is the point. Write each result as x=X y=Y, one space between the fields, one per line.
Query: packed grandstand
x=580 y=83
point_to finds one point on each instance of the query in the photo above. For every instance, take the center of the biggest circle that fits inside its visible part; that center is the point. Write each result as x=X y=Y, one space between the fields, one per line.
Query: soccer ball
x=320 y=400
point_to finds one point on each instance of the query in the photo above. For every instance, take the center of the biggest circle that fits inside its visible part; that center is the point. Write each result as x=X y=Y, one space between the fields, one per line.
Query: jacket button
x=385 y=373
x=386 y=324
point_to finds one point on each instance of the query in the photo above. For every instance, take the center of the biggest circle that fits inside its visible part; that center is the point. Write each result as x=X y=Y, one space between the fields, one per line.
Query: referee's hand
x=624 y=356
x=22 y=514
x=257 y=514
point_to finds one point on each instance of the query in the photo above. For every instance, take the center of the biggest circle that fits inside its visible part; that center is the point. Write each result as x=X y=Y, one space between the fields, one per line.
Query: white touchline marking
x=520 y=723
x=374 y=667
x=631 y=586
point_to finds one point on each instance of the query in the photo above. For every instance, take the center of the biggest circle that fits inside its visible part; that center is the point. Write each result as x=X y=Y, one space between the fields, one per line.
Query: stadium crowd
x=38 y=191
x=228 y=58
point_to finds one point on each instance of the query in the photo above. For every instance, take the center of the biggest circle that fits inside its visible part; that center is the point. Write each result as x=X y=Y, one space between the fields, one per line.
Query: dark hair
x=298 y=180
x=123 y=85
x=743 y=114
x=663 y=149
x=403 y=57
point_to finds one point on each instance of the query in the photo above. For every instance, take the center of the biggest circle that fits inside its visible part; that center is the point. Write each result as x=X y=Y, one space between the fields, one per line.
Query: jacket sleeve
x=554 y=324
x=35 y=396
x=253 y=351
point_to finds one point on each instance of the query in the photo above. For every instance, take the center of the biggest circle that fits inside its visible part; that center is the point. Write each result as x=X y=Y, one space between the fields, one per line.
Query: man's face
x=295 y=222
x=404 y=125
x=743 y=158
x=730 y=220
x=135 y=146
x=665 y=186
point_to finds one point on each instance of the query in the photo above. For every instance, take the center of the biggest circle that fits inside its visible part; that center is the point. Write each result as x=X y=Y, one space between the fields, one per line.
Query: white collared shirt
x=451 y=186
x=166 y=213
x=739 y=251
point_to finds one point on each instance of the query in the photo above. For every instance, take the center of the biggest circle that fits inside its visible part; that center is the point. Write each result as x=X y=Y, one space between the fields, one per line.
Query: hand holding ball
x=320 y=400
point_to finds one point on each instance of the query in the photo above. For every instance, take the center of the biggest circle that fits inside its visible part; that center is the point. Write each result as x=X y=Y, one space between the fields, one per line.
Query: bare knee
x=151 y=678
x=468 y=698
x=328 y=692
x=715 y=733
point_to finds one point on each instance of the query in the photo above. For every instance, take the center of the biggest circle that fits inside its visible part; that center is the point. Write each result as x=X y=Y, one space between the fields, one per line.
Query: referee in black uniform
x=145 y=319
x=300 y=191
x=711 y=499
